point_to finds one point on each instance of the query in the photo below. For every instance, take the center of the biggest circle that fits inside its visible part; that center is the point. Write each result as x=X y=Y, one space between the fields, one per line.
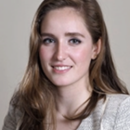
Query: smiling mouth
x=61 y=67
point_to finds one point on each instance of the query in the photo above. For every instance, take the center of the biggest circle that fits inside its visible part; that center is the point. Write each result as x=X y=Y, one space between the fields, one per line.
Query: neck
x=70 y=98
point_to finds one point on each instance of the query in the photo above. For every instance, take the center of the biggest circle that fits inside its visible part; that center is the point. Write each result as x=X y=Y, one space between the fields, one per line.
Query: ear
x=96 y=49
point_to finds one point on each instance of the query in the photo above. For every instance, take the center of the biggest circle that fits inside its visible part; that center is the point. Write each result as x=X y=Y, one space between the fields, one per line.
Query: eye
x=47 y=41
x=75 y=41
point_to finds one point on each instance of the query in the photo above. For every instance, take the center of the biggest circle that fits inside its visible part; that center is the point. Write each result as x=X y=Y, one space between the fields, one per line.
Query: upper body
x=70 y=71
x=113 y=114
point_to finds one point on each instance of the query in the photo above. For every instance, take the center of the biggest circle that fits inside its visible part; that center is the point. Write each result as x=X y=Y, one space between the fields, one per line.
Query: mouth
x=61 y=68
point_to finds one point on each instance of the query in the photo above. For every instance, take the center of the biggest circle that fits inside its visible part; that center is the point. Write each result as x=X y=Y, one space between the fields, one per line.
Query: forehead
x=65 y=11
x=63 y=17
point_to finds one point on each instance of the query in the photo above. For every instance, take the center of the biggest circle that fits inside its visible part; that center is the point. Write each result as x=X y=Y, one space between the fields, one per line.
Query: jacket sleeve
x=122 y=121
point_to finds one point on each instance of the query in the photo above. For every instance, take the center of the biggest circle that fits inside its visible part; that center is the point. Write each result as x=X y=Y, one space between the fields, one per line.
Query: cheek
x=83 y=55
x=43 y=54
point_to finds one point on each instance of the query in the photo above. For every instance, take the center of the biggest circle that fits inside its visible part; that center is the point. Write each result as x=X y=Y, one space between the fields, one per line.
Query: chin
x=61 y=84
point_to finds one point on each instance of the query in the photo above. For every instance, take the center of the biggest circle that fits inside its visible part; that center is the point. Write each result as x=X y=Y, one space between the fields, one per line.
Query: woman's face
x=66 y=49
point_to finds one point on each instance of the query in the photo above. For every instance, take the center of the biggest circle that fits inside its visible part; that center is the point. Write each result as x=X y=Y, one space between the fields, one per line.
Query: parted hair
x=35 y=97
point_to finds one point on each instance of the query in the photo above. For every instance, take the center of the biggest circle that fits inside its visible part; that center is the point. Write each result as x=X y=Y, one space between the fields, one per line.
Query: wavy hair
x=36 y=94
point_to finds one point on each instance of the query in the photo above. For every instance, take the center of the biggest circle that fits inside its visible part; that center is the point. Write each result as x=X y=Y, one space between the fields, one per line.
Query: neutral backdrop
x=15 y=24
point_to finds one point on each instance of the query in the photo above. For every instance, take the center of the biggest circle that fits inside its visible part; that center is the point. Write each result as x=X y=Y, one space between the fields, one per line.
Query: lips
x=61 y=68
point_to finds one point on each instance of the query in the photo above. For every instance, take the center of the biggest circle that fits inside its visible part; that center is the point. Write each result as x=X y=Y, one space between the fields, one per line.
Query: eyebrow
x=47 y=34
x=73 y=34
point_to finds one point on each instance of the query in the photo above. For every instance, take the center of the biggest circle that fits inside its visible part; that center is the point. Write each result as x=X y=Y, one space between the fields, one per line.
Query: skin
x=65 y=54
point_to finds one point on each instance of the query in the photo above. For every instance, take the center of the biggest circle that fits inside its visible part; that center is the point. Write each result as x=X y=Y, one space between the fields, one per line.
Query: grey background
x=15 y=24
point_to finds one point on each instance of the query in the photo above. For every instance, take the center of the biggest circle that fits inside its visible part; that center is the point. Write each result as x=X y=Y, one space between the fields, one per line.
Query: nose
x=60 y=52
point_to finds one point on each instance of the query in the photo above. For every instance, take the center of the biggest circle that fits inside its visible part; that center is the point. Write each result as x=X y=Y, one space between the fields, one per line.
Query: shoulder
x=117 y=112
x=12 y=118
x=122 y=120
x=117 y=101
x=118 y=97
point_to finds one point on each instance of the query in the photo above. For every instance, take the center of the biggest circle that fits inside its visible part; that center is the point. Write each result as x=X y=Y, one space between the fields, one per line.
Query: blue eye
x=48 y=41
x=75 y=41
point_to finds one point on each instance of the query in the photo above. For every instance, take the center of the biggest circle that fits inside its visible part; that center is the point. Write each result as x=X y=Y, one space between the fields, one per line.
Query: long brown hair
x=36 y=94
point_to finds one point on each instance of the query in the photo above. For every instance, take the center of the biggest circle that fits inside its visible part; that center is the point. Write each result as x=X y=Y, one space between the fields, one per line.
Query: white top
x=114 y=114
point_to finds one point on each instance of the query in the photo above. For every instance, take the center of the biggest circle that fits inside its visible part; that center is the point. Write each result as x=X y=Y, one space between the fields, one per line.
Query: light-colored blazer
x=113 y=114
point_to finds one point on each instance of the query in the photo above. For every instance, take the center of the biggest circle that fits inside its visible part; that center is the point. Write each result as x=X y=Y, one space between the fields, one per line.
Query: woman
x=70 y=82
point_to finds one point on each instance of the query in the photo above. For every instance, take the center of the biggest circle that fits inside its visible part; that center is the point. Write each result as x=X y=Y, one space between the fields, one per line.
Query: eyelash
x=75 y=41
x=48 y=41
